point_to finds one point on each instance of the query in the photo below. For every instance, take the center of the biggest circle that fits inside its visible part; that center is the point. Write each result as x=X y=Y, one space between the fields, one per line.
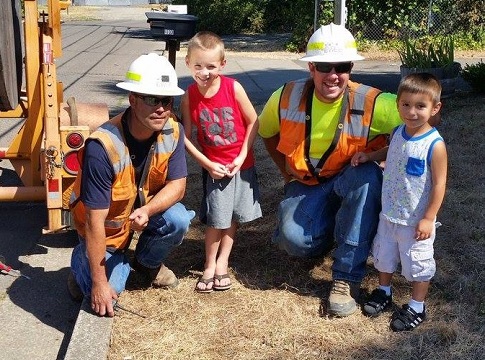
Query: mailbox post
x=172 y=28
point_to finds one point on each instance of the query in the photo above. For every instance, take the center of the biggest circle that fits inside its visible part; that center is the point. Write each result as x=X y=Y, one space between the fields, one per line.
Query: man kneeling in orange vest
x=133 y=175
x=311 y=128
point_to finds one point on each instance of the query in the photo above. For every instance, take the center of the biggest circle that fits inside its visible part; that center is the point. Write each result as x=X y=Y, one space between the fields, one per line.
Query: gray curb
x=91 y=335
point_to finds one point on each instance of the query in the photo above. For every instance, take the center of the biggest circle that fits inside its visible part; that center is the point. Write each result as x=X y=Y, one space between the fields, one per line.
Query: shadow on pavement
x=41 y=302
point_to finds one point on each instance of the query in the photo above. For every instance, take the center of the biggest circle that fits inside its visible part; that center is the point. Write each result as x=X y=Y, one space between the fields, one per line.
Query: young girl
x=226 y=124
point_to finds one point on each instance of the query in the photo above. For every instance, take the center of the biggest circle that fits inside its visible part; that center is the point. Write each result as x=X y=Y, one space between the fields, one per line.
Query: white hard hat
x=331 y=43
x=151 y=74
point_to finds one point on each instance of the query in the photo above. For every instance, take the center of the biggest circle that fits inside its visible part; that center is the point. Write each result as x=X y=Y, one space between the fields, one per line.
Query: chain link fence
x=418 y=22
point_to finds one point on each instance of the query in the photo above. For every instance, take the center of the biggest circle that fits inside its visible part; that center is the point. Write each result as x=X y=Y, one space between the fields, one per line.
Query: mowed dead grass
x=276 y=308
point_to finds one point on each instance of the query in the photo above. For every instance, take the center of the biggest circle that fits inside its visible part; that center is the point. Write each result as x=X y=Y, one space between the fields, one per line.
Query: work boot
x=160 y=277
x=341 y=301
x=73 y=288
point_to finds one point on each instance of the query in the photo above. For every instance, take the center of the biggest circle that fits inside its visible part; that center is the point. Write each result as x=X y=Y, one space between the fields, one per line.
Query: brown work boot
x=341 y=301
x=161 y=277
x=73 y=288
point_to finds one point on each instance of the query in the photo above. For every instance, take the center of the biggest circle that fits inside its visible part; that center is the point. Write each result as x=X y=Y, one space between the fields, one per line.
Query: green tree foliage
x=223 y=16
x=470 y=15
x=367 y=19
x=380 y=18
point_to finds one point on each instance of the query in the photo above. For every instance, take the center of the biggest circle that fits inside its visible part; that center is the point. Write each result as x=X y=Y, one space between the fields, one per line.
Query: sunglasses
x=327 y=67
x=154 y=100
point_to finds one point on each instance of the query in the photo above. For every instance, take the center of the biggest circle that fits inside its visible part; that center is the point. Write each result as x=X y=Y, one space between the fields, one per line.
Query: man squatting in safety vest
x=132 y=177
x=311 y=129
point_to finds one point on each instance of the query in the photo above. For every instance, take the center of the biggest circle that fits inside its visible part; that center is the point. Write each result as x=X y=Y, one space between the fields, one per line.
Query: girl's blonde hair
x=206 y=40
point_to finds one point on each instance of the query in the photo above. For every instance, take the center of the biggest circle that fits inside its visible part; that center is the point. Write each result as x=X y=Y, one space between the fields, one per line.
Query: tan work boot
x=165 y=278
x=161 y=277
x=341 y=301
x=73 y=288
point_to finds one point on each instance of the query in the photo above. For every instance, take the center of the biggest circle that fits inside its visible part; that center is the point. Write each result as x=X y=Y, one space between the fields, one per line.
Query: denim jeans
x=163 y=232
x=346 y=208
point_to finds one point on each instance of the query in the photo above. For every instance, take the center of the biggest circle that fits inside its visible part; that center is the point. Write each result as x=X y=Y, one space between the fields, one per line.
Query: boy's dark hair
x=206 y=40
x=421 y=83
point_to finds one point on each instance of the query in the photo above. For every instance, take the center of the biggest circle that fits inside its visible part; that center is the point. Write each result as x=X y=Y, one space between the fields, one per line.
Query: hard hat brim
x=331 y=58
x=174 y=91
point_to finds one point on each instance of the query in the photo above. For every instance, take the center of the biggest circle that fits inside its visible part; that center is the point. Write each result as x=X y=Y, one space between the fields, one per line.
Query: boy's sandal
x=221 y=287
x=406 y=319
x=206 y=282
x=377 y=303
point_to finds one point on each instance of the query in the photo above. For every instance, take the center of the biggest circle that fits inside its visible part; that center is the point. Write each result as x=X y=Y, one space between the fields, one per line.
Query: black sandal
x=377 y=303
x=406 y=319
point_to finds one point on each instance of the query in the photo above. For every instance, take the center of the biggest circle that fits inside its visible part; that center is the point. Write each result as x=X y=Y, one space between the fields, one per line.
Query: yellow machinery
x=44 y=152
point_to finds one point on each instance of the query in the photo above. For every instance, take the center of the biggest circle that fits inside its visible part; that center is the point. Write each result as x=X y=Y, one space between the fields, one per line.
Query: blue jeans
x=164 y=231
x=346 y=208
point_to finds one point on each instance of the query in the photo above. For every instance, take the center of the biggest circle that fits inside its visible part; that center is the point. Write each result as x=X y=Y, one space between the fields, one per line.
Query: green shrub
x=474 y=75
x=423 y=55
x=224 y=16
x=365 y=19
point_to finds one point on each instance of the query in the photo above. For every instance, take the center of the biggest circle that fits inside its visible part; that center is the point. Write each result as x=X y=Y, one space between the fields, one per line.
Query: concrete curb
x=91 y=335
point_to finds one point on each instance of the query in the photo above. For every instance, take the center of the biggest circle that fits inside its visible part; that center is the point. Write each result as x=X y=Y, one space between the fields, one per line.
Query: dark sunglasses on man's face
x=151 y=100
x=327 y=67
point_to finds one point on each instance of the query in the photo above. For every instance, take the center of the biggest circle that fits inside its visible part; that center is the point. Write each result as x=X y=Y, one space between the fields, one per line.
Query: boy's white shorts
x=395 y=243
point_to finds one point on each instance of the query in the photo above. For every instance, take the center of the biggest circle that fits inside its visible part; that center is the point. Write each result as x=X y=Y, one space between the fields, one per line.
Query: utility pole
x=340 y=12
x=315 y=17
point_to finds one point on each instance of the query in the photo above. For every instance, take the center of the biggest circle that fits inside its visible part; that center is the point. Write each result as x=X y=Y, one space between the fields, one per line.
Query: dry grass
x=275 y=309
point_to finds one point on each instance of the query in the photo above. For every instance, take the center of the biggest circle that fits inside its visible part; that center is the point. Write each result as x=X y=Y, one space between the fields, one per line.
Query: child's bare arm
x=251 y=119
x=439 y=168
x=362 y=157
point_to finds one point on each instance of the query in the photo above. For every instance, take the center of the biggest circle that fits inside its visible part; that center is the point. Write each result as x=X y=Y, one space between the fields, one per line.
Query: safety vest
x=124 y=189
x=351 y=134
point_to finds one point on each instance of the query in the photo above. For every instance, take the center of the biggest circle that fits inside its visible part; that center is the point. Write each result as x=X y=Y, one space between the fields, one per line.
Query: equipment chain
x=51 y=154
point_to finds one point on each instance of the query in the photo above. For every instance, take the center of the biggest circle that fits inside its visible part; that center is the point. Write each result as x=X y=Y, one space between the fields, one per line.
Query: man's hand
x=139 y=219
x=102 y=296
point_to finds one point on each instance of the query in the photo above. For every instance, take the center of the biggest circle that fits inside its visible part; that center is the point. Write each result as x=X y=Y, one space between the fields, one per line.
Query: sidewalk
x=37 y=315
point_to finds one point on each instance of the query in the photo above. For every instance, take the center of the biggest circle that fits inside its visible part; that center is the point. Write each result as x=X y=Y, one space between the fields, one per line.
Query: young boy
x=412 y=193
x=226 y=124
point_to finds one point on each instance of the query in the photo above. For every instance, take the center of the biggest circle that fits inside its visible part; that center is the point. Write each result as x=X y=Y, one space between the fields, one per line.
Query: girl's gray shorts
x=230 y=200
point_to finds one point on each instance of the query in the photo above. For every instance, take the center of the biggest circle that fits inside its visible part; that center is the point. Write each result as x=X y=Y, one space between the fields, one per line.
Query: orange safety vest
x=351 y=134
x=124 y=190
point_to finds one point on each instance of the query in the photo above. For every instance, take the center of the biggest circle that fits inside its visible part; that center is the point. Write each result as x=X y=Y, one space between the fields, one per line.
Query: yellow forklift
x=44 y=151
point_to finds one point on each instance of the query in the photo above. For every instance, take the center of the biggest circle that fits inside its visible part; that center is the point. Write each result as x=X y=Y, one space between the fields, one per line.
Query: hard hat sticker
x=316 y=46
x=133 y=76
x=351 y=44
x=334 y=48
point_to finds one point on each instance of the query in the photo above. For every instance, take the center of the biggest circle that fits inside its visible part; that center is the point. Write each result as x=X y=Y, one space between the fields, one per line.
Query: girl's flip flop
x=221 y=287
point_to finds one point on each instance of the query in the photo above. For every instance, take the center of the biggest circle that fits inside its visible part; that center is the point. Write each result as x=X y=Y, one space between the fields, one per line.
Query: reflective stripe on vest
x=119 y=156
x=124 y=190
x=354 y=128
